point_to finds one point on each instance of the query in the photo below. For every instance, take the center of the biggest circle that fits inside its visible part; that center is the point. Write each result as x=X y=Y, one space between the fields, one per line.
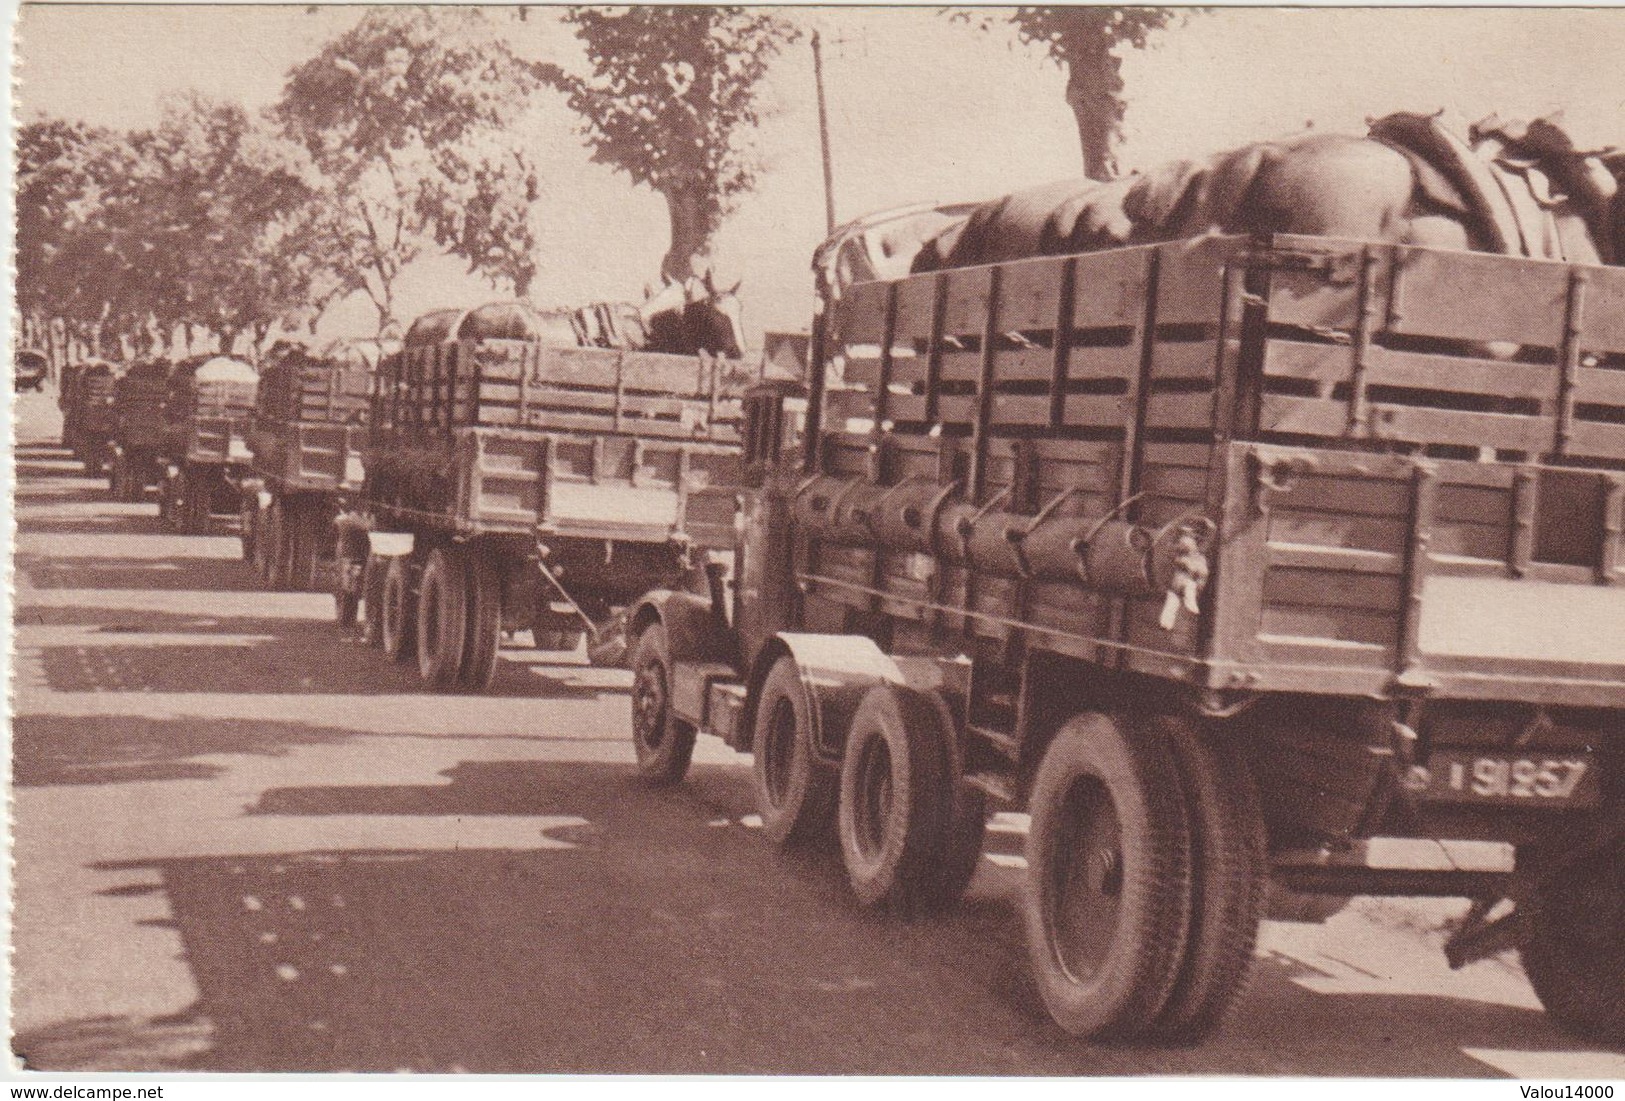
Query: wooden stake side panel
x=613 y=487
x=520 y=384
x=317 y=457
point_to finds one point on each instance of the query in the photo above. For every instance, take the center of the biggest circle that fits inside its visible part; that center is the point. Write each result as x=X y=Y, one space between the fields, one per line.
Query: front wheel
x=795 y=792
x=484 y=624
x=399 y=612
x=664 y=743
x=1109 y=867
x=1573 y=946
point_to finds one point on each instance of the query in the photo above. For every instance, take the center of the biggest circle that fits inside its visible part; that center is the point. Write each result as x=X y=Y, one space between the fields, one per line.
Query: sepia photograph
x=1071 y=542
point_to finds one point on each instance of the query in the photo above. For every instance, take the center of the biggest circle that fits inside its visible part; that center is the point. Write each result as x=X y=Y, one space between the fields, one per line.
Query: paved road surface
x=244 y=842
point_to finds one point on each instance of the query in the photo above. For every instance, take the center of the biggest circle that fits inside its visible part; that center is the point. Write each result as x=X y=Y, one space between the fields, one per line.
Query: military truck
x=138 y=427
x=306 y=437
x=515 y=485
x=1227 y=560
x=203 y=445
x=86 y=400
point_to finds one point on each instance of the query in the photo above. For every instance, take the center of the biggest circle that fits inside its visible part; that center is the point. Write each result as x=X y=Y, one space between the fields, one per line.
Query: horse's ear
x=648 y=292
x=707 y=282
x=735 y=288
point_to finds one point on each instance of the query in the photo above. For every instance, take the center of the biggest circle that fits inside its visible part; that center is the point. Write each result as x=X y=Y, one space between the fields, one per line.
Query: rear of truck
x=204 y=443
x=306 y=437
x=1323 y=536
x=559 y=483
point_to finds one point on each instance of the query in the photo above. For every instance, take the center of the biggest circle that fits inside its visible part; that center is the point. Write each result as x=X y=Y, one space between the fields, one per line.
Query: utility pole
x=823 y=135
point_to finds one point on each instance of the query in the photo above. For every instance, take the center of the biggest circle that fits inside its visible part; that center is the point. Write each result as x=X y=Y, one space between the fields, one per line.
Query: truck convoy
x=511 y=484
x=203 y=444
x=1227 y=559
x=138 y=427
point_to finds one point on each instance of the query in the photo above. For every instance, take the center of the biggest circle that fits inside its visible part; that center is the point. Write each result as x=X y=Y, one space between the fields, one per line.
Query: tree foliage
x=404 y=117
x=672 y=99
x=1087 y=42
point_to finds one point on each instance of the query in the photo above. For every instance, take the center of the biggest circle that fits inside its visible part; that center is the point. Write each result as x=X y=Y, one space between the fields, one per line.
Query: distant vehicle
x=30 y=370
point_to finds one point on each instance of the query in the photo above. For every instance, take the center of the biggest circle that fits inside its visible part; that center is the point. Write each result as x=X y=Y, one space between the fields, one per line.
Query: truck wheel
x=276 y=549
x=1109 y=862
x=442 y=618
x=400 y=612
x=795 y=793
x=1572 y=949
x=264 y=541
x=894 y=802
x=1230 y=875
x=663 y=742
x=194 y=506
x=245 y=527
x=117 y=476
x=372 y=600
x=484 y=624
x=169 y=490
x=304 y=546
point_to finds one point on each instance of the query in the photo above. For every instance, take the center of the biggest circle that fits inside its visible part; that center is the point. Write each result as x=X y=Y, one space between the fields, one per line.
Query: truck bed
x=1413 y=462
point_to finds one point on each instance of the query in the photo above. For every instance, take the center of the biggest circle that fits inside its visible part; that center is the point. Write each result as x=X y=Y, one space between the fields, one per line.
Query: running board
x=1399 y=866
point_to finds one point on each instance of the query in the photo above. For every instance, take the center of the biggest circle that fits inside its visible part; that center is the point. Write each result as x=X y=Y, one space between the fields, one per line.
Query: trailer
x=1228 y=560
x=511 y=485
x=138 y=426
x=86 y=400
x=203 y=445
x=306 y=438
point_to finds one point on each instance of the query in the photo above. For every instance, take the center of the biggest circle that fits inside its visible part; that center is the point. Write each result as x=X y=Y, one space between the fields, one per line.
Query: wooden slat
x=1021 y=409
x=1330 y=588
x=1360 y=532
x=1086 y=363
x=1094 y=411
x=1386 y=367
x=914 y=304
x=1179 y=411
x=1029 y=294
x=1022 y=364
x=966 y=310
x=860 y=315
x=1110 y=289
x=1195 y=359
x=1478 y=297
x=1411 y=424
x=1597 y=386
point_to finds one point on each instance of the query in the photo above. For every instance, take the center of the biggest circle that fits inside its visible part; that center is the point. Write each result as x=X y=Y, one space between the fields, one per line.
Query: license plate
x=1509 y=779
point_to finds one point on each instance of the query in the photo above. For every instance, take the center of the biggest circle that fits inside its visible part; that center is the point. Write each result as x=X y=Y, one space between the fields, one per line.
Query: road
x=244 y=842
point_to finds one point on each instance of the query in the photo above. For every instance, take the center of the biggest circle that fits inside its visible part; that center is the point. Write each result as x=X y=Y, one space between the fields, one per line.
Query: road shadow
x=78 y=749
x=171 y=573
x=661 y=935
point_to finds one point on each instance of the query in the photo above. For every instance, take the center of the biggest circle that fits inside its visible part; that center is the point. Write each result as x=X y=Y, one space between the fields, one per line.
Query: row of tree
x=397 y=140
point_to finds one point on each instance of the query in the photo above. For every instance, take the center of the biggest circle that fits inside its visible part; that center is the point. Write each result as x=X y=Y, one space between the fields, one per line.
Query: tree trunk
x=691 y=233
x=1094 y=91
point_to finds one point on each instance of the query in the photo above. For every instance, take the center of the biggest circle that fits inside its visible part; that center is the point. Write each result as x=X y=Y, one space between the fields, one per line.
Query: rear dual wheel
x=372 y=600
x=399 y=612
x=1573 y=943
x=442 y=619
x=910 y=832
x=1146 y=877
x=484 y=582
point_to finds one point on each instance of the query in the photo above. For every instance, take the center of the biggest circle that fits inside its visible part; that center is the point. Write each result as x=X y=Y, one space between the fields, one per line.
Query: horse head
x=714 y=318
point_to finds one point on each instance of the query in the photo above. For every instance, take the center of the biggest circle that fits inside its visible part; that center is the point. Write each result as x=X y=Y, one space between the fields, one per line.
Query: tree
x=224 y=202
x=1086 y=43
x=404 y=116
x=672 y=100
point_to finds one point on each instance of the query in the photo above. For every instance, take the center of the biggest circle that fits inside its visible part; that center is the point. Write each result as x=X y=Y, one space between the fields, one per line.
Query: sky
x=921 y=109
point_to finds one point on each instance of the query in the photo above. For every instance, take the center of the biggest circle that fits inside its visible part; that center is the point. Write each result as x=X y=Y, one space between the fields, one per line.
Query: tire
x=399 y=617
x=195 y=506
x=894 y=803
x=795 y=793
x=169 y=488
x=117 y=476
x=275 y=537
x=1229 y=880
x=966 y=830
x=484 y=583
x=372 y=600
x=1108 y=882
x=246 y=513
x=1572 y=947
x=307 y=532
x=442 y=619
x=664 y=743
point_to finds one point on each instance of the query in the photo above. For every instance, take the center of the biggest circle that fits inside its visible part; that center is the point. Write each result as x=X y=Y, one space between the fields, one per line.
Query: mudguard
x=693 y=631
x=391 y=544
x=838 y=670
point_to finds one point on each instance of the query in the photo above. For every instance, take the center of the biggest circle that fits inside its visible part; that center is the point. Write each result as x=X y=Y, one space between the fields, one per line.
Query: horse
x=687 y=317
x=1513 y=187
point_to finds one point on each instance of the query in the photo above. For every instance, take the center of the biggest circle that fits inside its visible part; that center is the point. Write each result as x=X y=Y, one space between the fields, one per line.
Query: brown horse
x=1516 y=188
x=682 y=318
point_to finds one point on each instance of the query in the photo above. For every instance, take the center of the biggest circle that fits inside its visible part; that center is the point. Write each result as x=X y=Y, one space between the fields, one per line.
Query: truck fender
x=692 y=630
x=836 y=671
x=391 y=544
